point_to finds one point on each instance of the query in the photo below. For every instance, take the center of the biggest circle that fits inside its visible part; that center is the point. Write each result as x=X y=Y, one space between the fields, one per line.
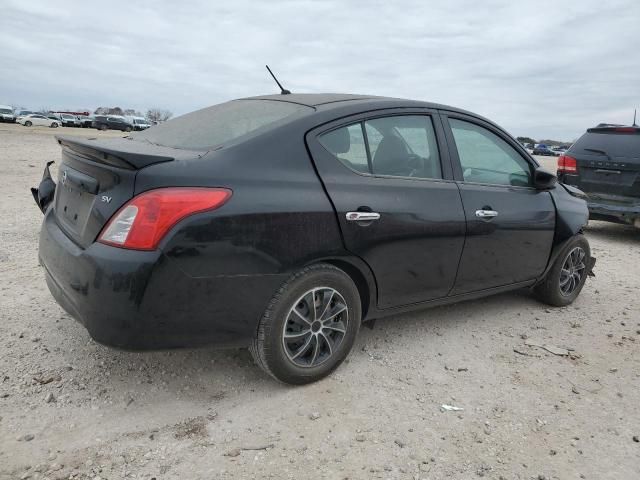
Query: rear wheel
x=309 y=326
x=128 y=129
x=103 y=127
x=564 y=281
x=27 y=123
x=54 y=125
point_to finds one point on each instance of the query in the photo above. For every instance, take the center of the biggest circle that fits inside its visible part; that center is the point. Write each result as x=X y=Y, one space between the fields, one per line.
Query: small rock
x=636 y=438
x=233 y=453
x=49 y=398
x=552 y=452
x=542 y=477
x=314 y=416
x=26 y=438
x=360 y=437
x=400 y=443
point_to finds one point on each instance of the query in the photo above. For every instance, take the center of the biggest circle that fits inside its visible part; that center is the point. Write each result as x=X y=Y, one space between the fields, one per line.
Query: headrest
x=338 y=141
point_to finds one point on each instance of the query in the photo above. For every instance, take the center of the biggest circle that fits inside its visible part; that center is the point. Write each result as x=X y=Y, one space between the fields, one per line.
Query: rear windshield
x=220 y=124
x=613 y=144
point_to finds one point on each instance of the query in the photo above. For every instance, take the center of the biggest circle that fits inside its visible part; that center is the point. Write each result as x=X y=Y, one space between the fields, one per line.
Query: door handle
x=486 y=213
x=362 y=216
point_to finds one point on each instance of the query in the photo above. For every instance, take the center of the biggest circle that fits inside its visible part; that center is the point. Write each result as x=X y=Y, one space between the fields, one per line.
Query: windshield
x=5 y=110
x=220 y=124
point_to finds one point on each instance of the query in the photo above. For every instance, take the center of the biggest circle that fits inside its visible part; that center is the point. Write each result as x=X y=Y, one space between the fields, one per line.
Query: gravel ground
x=70 y=408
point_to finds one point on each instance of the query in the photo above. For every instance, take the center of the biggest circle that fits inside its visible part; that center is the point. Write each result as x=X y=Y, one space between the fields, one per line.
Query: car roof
x=337 y=100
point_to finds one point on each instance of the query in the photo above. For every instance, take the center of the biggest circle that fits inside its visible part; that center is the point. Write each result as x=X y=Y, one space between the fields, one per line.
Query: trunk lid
x=608 y=162
x=97 y=177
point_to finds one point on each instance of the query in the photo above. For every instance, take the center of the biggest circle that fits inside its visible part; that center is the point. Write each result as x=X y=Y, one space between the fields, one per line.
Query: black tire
x=268 y=348
x=27 y=123
x=54 y=125
x=128 y=129
x=550 y=290
x=103 y=128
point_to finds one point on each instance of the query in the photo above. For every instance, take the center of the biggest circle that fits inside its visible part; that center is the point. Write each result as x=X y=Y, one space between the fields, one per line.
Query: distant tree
x=132 y=112
x=525 y=140
x=158 y=115
x=101 y=111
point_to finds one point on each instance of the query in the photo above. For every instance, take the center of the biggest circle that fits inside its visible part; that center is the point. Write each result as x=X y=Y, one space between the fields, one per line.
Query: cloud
x=539 y=68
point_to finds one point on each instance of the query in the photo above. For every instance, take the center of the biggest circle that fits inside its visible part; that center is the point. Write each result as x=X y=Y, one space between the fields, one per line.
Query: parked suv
x=605 y=164
x=69 y=120
x=140 y=123
x=6 y=114
x=111 y=122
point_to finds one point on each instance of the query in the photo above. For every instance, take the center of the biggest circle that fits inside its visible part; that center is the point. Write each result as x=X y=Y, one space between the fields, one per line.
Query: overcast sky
x=547 y=69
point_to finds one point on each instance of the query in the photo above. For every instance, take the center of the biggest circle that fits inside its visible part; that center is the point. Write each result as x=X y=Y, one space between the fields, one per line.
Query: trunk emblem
x=64 y=177
x=106 y=199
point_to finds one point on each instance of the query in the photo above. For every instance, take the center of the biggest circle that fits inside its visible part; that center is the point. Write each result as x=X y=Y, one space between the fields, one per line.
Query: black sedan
x=281 y=223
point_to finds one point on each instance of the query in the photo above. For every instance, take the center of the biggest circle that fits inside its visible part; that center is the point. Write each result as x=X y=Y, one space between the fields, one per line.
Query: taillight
x=567 y=164
x=143 y=221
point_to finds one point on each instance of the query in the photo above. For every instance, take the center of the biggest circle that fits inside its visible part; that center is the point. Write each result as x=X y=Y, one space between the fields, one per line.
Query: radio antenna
x=634 y=117
x=283 y=91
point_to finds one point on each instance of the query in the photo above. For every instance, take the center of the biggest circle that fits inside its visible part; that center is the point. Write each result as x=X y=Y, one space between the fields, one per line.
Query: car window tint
x=486 y=158
x=403 y=146
x=347 y=144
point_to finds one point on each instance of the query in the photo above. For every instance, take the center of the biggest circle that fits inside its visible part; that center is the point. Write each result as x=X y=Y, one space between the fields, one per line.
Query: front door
x=510 y=224
x=391 y=184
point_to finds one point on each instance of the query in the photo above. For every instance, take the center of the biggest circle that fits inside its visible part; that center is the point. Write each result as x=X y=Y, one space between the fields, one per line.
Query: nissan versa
x=282 y=222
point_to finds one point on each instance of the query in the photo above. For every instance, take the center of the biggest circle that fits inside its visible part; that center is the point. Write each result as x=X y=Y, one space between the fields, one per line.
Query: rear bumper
x=142 y=300
x=614 y=211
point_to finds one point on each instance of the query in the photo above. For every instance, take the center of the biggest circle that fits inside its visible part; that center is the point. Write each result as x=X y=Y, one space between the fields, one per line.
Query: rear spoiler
x=118 y=152
x=614 y=129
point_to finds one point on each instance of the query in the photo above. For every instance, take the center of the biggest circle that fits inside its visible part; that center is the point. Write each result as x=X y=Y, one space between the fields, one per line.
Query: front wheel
x=309 y=326
x=564 y=281
x=27 y=123
x=54 y=125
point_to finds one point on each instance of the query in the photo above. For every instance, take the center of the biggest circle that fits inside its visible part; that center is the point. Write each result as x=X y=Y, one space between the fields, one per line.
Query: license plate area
x=75 y=195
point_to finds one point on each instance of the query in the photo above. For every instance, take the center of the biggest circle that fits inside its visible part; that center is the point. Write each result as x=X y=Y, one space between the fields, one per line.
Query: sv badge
x=106 y=199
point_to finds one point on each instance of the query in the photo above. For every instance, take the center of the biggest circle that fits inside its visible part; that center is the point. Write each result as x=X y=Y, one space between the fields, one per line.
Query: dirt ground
x=70 y=408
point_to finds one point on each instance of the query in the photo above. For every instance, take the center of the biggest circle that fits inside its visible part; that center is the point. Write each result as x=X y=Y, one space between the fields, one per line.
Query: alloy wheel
x=572 y=271
x=315 y=327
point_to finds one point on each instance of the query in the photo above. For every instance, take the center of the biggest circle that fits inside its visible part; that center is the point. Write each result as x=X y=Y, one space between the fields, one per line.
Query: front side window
x=400 y=146
x=486 y=158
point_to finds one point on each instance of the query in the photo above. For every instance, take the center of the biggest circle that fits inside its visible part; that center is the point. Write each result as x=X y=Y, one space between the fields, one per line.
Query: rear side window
x=399 y=146
x=487 y=158
x=220 y=124
x=347 y=144
x=616 y=145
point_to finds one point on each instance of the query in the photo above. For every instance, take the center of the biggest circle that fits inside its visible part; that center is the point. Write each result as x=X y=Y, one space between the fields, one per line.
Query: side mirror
x=544 y=179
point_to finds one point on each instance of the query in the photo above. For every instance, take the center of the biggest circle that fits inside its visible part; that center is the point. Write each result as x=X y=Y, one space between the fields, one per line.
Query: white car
x=36 y=119
x=6 y=114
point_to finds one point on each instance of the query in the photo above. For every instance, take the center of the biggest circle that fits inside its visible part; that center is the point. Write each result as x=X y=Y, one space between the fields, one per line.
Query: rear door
x=510 y=224
x=390 y=181
x=607 y=162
